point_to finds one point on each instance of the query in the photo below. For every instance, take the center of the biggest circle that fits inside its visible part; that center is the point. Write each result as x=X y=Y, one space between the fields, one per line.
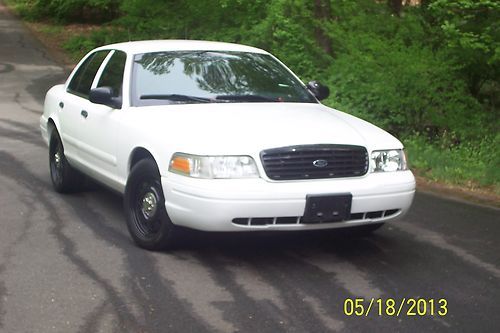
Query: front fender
x=51 y=111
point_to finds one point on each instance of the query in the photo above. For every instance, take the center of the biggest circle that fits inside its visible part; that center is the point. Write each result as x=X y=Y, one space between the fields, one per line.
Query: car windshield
x=213 y=77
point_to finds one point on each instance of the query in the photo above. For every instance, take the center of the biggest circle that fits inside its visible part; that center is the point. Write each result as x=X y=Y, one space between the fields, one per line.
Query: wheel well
x=50 y=127
x=139 y=154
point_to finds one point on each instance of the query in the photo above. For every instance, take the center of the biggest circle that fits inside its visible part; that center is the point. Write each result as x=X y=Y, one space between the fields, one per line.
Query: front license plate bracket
x=327 y=208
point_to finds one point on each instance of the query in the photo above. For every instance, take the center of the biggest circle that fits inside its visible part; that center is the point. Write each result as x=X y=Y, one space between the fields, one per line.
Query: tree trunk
x=322 y=12
x=396 y=6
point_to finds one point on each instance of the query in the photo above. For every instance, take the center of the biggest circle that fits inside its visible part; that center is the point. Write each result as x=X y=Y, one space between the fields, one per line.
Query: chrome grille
x=315 y=162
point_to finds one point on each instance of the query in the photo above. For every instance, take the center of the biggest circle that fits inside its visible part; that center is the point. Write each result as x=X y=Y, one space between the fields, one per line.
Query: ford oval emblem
x=320 y=163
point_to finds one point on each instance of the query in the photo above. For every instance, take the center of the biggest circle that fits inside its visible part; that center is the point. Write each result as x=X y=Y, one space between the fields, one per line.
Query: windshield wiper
x=245 y=98
x=177 y=98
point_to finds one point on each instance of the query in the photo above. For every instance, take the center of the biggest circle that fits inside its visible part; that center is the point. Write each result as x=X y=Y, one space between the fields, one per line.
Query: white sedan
x=218 y=137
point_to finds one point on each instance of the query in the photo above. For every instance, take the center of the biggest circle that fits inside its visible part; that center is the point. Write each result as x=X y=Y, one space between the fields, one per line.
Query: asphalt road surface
x=67 y=263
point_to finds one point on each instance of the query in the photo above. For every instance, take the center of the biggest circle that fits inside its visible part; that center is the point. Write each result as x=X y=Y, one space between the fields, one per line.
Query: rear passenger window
x=82 y=80
x=112 y=76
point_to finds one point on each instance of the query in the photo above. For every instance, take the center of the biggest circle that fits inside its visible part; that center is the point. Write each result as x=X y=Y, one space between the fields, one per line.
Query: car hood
x=248 y=128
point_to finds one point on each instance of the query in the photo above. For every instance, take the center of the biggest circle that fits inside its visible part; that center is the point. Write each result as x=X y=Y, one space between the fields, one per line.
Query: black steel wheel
x=65 y=178
x=144 y=204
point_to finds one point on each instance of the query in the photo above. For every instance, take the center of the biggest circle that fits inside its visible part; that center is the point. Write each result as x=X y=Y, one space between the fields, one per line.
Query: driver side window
x=82 y=80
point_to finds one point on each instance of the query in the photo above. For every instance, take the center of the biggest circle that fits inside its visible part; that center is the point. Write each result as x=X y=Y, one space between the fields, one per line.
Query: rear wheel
x=144 y=204
x=65 y=178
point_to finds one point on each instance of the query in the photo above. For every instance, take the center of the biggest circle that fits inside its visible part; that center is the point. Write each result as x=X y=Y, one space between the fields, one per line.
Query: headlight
x=213 y=166
x=388 y=160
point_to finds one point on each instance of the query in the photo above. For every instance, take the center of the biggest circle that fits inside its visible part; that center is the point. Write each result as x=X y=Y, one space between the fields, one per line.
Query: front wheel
x=144 y=204
x=65 y=178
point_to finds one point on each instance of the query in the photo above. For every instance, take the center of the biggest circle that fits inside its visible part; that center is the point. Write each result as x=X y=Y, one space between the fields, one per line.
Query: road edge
x=478 y=197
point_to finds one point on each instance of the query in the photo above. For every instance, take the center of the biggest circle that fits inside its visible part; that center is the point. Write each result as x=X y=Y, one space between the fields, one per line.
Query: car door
x=73 y=104
x=97 y=136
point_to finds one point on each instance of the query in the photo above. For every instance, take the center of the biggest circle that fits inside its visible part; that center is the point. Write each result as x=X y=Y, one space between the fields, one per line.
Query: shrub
x=69 y=10
x=472 y=163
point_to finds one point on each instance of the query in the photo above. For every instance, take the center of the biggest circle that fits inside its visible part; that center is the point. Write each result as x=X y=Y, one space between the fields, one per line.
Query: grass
x=474 y=164
x=52 y=29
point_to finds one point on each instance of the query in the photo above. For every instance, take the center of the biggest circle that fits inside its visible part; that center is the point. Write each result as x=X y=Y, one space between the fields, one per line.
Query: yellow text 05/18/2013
x=395 y=307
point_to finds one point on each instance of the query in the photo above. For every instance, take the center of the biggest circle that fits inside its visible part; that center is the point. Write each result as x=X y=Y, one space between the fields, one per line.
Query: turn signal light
x=180 y=164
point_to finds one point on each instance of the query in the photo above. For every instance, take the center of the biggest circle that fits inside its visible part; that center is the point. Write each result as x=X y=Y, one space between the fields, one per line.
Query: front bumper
x=213 y=204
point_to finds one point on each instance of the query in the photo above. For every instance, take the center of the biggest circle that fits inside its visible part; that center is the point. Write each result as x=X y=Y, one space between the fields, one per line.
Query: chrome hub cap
x=57 y=159
x=149 y=205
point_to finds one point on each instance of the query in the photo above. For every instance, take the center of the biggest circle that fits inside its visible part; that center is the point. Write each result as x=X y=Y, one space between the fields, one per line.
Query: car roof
x=137 y=47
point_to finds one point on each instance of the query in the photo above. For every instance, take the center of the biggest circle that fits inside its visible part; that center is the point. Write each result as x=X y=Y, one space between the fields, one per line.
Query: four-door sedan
x=218 y=137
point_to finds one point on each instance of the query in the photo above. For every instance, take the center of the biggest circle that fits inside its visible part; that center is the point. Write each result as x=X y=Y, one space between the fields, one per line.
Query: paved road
x=67 y=263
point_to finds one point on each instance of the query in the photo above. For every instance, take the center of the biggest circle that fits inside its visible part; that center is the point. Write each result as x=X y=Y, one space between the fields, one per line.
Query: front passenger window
x=112 y=76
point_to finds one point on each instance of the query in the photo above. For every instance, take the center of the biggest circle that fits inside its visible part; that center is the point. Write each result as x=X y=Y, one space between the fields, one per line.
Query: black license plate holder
x=327 y=208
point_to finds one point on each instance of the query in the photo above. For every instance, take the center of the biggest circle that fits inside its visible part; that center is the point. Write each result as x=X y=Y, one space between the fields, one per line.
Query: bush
x=69 y=10
x=403 y=89
x=79 y=45
x=470 y=30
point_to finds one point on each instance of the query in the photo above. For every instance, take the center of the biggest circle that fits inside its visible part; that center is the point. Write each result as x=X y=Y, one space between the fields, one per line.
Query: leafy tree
x=471 y=29
x=72 y=10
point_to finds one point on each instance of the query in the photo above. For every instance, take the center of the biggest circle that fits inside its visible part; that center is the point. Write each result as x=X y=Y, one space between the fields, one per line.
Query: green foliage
x=81 y=44
x=287 y=32
x=390 y=75
x=403 y=89
x=471 y=164
x=68 y=10
x=21 y=7
x=190 y=19
x=471 y=30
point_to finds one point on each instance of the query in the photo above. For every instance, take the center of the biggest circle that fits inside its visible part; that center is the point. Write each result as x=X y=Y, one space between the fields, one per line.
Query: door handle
x=61 y=105
x=84 y=114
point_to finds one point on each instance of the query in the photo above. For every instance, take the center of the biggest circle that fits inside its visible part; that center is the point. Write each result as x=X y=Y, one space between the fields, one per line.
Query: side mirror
x=319 y=91
x=104 y=96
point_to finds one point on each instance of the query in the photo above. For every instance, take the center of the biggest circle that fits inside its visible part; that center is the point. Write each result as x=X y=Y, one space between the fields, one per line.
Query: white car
x=218 y=137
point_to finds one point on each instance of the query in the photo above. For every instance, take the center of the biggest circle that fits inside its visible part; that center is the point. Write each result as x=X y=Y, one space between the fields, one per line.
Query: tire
x=65 y=179
x=144 y=205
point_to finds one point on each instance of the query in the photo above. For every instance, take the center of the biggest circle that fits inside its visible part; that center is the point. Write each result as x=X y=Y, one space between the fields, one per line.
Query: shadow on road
x=339 y=241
